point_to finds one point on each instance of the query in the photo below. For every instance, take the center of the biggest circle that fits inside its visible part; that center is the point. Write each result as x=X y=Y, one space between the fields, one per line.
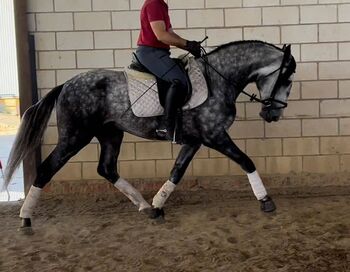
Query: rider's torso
x=153 y=10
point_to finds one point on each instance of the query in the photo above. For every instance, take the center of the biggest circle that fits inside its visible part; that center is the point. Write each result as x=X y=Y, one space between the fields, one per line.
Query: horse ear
x=287 y=49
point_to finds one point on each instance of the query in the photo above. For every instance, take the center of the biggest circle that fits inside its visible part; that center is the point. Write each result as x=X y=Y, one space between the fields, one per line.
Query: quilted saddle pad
x=143 y=91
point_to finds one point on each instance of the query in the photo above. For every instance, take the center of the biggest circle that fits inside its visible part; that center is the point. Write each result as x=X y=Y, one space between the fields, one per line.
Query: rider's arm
x=167 y=37
x=173 y=33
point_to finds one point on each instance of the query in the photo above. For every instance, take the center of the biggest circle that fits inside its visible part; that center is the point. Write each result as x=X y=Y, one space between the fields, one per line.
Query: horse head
x=275 y=85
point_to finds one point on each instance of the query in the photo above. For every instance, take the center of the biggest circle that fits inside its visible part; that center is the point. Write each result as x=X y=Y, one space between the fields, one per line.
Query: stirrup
x=163 y=133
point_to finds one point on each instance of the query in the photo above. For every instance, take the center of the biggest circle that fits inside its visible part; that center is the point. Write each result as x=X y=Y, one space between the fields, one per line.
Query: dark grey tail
x=31 y=131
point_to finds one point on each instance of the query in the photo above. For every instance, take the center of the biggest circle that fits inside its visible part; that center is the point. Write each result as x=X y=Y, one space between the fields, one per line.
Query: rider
x=153 y=52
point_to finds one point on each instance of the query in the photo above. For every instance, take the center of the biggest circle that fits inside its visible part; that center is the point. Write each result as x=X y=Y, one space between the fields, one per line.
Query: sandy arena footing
x=305 y=234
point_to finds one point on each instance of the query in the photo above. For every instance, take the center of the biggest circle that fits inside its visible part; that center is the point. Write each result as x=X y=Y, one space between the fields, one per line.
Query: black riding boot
x=170 y=110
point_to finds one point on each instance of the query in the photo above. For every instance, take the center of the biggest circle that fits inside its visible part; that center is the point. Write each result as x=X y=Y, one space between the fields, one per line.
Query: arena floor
x=305 y=234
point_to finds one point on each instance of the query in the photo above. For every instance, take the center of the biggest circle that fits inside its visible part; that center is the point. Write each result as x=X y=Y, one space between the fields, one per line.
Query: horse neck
x=240 y=63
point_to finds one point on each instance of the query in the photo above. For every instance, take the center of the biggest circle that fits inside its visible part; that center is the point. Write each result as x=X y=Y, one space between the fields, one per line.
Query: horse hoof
x=267 y=205
x=157 y=213
x=147 y=211
x=26 y=230
x=26 y=226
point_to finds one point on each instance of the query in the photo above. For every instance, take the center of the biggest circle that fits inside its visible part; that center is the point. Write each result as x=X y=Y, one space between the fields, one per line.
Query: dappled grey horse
x=96 y=104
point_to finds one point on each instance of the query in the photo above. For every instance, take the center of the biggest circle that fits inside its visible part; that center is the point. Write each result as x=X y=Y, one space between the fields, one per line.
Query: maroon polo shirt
x=153 y=10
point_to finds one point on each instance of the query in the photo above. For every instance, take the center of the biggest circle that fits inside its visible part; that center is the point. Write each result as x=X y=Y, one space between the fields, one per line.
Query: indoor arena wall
x=313 y=136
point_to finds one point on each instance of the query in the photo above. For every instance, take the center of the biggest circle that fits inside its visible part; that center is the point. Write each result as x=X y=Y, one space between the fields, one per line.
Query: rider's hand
x=194 y=48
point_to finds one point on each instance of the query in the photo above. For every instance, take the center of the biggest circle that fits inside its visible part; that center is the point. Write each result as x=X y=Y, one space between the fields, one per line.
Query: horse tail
x=30 y=132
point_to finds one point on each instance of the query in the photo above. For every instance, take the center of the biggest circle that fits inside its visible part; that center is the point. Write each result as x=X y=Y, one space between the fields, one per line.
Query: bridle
x=282 y=76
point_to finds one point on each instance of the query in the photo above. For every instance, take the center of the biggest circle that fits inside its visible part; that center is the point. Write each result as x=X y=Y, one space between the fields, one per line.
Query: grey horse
x=96 y=104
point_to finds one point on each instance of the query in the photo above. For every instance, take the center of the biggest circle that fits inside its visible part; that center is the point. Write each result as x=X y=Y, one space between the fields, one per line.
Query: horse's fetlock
x=100 y=172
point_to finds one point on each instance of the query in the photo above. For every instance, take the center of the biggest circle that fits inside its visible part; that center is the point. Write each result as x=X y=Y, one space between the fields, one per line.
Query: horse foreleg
x=184 y=158
x=226 y=146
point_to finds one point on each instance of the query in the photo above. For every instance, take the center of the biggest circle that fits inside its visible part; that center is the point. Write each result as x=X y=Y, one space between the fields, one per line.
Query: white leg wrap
x=257 y=185
x=163 y=194
x=30 y=202
x=130 y=192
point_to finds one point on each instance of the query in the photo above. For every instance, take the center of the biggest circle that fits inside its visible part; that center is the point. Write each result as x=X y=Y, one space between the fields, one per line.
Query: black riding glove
x=194 y=48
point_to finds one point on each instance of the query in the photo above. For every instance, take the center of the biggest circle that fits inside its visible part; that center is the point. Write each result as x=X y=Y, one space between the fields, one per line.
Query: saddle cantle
x=143 y=89
x=137 y=65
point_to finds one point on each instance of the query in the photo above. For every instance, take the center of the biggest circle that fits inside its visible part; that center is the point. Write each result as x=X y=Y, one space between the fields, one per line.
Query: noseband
x=282 y=76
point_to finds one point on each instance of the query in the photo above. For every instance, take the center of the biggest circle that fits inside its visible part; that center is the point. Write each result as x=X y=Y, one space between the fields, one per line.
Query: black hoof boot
x=26 y=226
x=157 y=215
x=267 y=205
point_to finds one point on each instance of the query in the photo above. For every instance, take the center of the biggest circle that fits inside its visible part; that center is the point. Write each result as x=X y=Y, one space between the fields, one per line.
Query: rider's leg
x=158 y=61
x=171 y=105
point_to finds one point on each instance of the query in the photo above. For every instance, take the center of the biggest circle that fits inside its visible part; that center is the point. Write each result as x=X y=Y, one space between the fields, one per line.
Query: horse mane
x=223 y=46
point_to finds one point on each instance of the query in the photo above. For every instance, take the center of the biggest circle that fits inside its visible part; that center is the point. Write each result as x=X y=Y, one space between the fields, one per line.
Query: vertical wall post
x=25 y=80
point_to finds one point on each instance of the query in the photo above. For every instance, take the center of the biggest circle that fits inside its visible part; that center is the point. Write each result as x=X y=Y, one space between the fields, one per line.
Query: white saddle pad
x=145 y=100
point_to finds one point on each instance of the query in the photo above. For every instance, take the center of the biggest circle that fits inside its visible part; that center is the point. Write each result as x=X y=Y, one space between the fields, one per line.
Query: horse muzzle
x=270 y=115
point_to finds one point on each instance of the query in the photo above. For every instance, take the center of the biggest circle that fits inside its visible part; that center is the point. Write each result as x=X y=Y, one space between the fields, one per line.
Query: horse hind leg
x=47 y=169
x=110 y=139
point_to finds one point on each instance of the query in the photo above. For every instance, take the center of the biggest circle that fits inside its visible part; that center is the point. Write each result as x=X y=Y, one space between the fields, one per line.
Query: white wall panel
x=8 y=58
